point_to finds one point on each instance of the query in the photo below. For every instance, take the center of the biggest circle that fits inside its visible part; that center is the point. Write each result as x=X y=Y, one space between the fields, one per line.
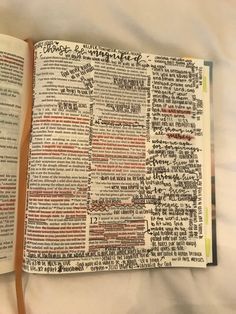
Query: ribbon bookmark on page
x=24 y=151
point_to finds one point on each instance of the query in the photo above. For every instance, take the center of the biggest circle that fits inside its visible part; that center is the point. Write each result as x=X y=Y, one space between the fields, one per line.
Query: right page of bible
x=117 y=176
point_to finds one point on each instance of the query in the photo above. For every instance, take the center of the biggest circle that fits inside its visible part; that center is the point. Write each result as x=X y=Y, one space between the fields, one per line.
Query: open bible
x=119 y=165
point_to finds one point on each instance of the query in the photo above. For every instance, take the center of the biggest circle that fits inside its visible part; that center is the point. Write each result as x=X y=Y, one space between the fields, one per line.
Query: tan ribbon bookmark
x=24 y=151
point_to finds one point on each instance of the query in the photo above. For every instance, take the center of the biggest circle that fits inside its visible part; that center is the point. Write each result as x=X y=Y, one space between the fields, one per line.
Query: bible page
x=116 y=161
x=13 y=54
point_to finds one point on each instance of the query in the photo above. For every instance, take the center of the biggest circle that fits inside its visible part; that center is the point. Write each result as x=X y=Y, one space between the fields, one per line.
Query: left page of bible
x=13 y=86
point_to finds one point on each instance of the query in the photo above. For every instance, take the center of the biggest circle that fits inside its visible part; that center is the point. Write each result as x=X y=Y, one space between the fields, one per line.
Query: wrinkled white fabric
x=197 y=28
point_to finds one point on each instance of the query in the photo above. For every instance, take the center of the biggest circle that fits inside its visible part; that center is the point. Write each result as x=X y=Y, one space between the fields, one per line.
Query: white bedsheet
x=204 y=29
